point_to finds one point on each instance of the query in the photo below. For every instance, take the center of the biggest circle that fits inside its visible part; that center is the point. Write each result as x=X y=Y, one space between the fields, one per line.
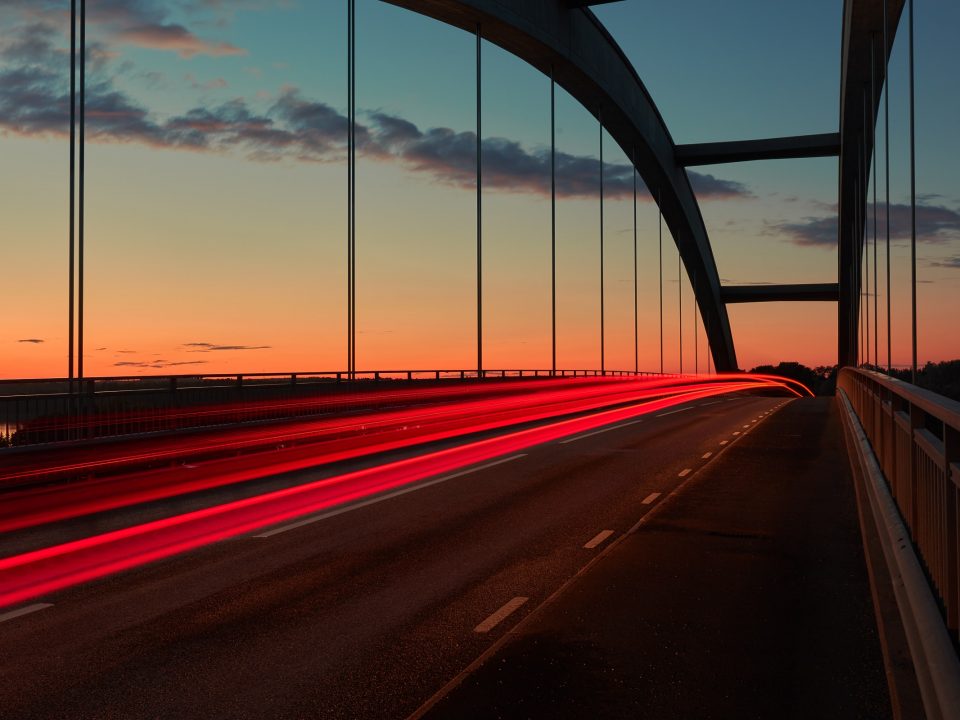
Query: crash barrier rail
x=915 y=436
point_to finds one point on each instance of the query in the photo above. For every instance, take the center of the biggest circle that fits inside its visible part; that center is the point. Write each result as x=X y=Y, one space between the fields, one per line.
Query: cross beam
x=781 y=148
x=827 y=292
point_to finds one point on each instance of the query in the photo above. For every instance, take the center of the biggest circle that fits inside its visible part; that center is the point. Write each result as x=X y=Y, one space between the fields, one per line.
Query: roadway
x=366 y=610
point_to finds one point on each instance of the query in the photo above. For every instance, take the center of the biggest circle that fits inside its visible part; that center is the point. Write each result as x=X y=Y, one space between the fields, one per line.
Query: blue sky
x=215 y=157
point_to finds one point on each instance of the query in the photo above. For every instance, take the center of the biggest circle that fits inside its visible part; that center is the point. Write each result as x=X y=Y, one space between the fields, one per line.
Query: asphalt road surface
x=362 y=613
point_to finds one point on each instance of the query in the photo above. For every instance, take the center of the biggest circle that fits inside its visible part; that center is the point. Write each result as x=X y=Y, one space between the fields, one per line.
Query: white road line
x=724 y=442
x=650 y=498
x=736 y=432
x=599 y=538
x=706 y=455
x=745 y=427
x=674 y=412
x=597 y=432
x=715 y=402
x=388 y=496
x=20 y=612
x=685 y=472
x=500 y=615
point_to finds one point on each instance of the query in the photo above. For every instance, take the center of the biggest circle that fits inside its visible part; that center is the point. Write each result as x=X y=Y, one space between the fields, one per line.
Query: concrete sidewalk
x=746 y=595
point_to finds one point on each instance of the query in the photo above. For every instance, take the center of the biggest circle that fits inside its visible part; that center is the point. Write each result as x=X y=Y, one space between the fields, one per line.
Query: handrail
x=915 y=435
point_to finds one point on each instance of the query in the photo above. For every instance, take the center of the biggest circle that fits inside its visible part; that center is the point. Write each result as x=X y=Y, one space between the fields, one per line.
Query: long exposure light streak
x=31 y=574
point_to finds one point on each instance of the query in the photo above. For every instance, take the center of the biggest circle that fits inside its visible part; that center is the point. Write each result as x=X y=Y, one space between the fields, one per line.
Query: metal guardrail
x=915 y=435
x=48 y=410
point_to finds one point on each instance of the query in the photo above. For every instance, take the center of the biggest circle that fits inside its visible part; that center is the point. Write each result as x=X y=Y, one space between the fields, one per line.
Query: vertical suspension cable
x=680 y=306
x=858 y=229
x=71 y=259
x=660 y=236
x=603 y=364
x=913 y=216
x=636 y=309
x=873 y=164
x=479 y=213
x=553 y=222
x=350 y=171
x=886 y=166
x=866 y=245
x=696 y=329
x=80 y=186
x=353 y=191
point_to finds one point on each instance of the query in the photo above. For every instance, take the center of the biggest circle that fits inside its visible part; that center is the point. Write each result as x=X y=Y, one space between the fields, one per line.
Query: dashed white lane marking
x=650 y=498
x=500 y=615
x=601 y=430
x=674 y=412
x=745 y=427
x=685 y=472
x=388 y=496
x=20 y=612
x=598 y=538
x=736 y=432
x=715 y=402
x=724 y=442
x=706 y=455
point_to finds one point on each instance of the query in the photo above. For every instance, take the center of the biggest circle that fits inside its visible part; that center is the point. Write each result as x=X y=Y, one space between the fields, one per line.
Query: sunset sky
x=216 y=188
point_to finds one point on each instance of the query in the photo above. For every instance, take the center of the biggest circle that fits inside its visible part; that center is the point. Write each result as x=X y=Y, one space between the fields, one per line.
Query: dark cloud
x=709 y=186
x=33 y=341
x=35 y=101
x=952 y=263
x=935 y=224
x=208 y=347
x=146 y=23
x=159 y=364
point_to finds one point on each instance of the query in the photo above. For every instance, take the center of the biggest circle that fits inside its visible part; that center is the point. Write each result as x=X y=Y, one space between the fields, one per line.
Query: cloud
x=952 y=263
x=33 y=341
x=935 y=224
x=709 y=186
x=159 y=364
x=175 y=38
x=208 y=347
x=146 y=24
x=35 y=101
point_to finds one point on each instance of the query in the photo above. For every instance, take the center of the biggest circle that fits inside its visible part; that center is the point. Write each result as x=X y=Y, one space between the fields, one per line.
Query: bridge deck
x=747 y=596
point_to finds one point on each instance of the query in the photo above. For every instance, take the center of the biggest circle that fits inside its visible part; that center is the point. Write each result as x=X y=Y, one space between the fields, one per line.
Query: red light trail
x=35 y=573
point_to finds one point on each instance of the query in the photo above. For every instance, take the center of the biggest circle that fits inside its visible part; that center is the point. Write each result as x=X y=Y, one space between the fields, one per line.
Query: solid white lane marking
x=650 y=498
x=598 y=538
x=674 y=412
x=724 y=442
x=706 y=455
x=20 y=612
x=601 y=430
x=685 y=472
x=388 y=496
x=715 y=402
x=500 y=615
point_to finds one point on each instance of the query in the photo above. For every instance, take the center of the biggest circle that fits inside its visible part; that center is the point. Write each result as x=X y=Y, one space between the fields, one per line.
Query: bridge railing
x=50 y=410
x=915 y=434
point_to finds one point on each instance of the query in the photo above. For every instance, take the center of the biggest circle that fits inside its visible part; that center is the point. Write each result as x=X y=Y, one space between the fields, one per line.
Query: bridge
x=571 y=501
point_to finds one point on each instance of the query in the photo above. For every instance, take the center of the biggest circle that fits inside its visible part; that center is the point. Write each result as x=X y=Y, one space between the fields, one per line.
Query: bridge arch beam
x=588 y=63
